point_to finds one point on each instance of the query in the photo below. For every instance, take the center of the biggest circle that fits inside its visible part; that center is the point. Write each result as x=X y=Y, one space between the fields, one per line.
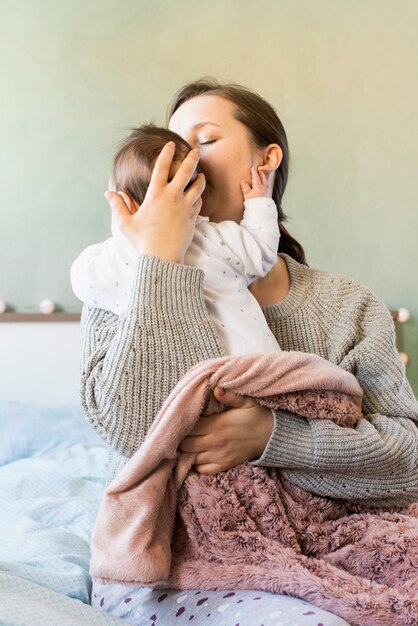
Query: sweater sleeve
x=377 y=461
x=131 y=363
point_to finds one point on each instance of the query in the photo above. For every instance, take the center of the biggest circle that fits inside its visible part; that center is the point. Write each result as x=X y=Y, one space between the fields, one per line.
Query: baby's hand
x=258 y=187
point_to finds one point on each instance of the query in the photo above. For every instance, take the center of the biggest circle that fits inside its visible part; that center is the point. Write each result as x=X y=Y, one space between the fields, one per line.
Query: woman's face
x=227 y=152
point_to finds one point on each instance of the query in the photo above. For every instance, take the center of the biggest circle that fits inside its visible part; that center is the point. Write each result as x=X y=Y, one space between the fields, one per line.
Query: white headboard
x=40 y=359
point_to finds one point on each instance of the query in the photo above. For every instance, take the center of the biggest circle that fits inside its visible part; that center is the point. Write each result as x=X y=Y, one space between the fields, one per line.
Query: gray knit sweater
x=131 y=363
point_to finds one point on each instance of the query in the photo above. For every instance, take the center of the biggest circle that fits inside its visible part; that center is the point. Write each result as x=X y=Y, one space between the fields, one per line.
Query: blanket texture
x=161 y=524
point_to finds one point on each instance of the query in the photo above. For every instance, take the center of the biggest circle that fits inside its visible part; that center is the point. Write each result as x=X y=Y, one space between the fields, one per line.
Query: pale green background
x=343 y=75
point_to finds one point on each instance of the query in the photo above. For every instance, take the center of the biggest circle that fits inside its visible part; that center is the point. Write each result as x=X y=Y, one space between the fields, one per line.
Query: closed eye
x=205 y=143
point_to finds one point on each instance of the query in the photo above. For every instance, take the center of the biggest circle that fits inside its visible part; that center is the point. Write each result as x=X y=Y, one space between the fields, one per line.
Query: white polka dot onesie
x=231 y=256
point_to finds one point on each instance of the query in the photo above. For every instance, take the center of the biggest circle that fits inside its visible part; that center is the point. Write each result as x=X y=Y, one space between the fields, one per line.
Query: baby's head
x=133 y=164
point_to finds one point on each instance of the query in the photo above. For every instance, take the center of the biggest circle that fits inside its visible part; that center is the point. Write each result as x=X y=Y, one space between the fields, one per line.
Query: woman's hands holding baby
x=234 y=436
x=164 y=224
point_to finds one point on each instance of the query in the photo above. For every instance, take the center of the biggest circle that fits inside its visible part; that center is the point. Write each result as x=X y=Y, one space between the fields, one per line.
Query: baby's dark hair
x=133 y=164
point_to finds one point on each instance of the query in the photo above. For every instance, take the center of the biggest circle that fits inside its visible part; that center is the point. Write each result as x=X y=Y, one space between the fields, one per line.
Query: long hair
x=265 y=128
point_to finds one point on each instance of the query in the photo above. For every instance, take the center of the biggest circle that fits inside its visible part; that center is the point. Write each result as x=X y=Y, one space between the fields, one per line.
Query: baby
x=231 y=255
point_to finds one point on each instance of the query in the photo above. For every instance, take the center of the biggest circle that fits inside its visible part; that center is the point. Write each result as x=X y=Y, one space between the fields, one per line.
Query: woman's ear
x=271 y=157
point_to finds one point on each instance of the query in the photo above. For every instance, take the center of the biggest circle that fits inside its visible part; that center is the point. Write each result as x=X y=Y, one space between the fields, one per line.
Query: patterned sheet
x=23 y=603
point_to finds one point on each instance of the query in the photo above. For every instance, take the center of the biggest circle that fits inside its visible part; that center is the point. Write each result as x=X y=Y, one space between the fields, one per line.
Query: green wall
x=74 y=75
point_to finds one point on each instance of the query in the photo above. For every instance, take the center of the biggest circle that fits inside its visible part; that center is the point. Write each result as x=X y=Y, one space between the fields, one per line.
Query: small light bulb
x=403 y=315
x=404 y=358
x=46 y=306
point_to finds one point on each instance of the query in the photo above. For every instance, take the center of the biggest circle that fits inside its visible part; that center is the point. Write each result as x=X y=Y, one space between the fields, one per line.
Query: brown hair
x=265 y=127
x=133 y=164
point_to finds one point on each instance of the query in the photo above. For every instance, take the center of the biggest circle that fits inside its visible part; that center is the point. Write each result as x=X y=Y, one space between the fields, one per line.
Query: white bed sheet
x=52 y=469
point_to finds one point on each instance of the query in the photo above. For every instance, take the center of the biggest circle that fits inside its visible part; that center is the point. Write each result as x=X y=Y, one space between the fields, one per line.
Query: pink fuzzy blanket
x=161 y=524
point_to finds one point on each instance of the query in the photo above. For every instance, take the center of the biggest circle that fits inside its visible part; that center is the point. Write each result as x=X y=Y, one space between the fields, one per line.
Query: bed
x=52 y=469
x=51 y=480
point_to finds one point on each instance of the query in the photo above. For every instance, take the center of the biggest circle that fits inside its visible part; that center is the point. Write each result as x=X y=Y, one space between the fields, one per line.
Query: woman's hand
x=164 y=224
x=234 y=436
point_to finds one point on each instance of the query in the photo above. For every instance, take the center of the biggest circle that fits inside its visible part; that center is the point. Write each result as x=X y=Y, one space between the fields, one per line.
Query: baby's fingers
x=263 y=178
x=258 y=179
x=246 y=187
x=255 y=178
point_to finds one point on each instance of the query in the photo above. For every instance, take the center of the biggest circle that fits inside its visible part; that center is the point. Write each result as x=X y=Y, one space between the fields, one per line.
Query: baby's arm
x=102 y=274
x=255 y=240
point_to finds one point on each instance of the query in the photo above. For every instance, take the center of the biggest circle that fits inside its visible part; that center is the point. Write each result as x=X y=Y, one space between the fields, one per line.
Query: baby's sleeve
x=102 y=275
x=255 y=240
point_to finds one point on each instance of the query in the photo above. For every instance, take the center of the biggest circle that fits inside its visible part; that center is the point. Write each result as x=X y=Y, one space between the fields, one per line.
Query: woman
x=130 y=364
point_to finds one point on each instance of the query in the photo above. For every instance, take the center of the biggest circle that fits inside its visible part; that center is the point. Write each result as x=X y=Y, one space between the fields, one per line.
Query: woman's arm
x=131 y=363
x=377 y=461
